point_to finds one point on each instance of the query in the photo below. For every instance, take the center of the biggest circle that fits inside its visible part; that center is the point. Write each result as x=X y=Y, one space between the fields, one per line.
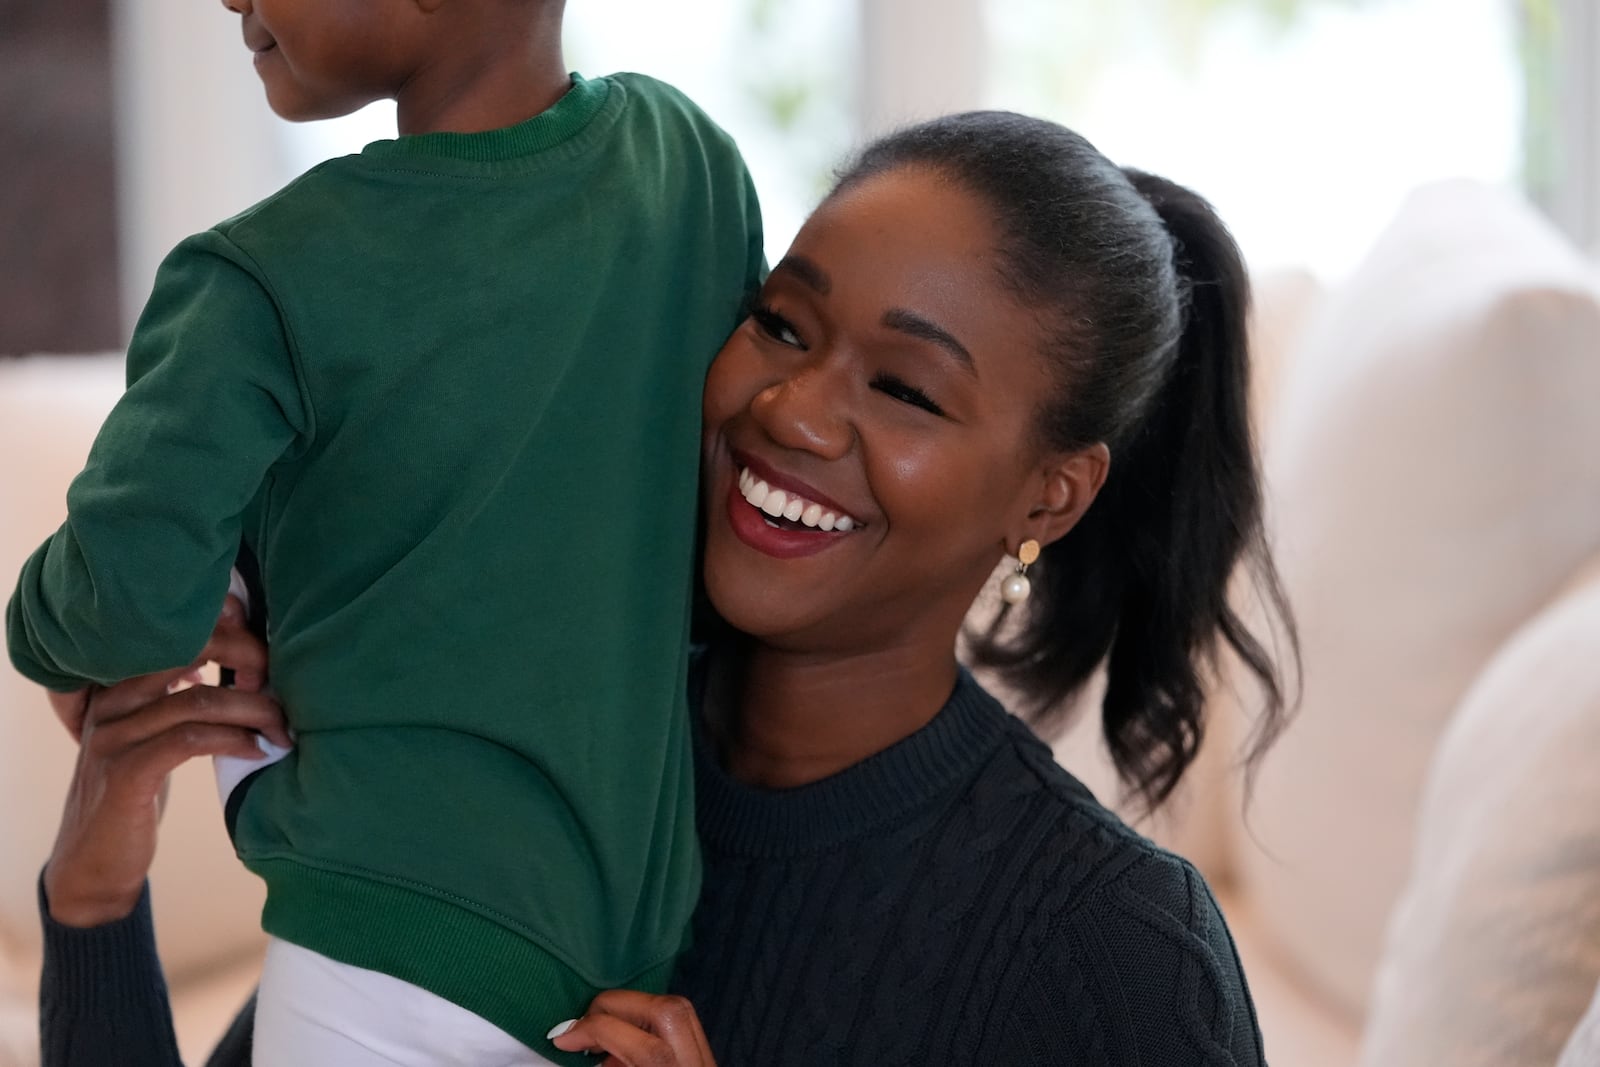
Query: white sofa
x=1435 y=488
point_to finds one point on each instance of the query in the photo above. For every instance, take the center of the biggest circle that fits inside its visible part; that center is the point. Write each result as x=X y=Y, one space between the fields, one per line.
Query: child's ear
x=1067 y=485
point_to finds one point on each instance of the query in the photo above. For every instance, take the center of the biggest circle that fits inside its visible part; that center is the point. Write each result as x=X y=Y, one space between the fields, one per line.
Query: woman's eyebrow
x=911 y=323
x=806 y=271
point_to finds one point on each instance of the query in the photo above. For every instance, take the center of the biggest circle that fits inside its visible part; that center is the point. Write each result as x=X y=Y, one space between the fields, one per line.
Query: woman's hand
x=638 y=1030
x=247 y=658
x=131 y=738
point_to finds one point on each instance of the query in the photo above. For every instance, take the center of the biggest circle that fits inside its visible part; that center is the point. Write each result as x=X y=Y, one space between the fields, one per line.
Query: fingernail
x=559 y=1029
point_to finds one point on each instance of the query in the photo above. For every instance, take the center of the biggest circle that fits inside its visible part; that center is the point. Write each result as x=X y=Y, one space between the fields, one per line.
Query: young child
x=446 y=392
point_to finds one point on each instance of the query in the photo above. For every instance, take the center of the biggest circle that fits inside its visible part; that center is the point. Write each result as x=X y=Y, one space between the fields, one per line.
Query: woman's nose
x=806 y=411
x=238 y=7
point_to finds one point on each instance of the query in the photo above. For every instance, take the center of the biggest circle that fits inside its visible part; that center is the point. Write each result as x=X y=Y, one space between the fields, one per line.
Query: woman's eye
x=889 y=385
x=776 y=327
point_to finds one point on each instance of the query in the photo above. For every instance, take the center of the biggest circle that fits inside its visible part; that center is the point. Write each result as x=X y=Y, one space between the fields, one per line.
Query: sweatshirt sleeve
x=133 y=580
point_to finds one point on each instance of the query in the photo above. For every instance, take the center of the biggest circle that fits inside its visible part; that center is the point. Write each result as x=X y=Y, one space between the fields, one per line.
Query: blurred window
x=1304 y=121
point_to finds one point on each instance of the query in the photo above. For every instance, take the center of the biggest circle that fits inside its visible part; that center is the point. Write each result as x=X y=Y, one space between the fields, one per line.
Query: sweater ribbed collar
x=738 y=819
x=563 y=120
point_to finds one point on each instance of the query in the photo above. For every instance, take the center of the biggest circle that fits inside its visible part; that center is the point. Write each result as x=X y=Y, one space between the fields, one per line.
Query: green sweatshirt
x=448 y=393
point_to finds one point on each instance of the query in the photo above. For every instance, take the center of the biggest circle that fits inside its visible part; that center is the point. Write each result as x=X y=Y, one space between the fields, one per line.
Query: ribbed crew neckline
x=772 y=823
x=560 y=122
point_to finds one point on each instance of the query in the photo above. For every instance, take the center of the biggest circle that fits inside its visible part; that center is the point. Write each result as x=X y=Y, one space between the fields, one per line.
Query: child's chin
x=295 y=107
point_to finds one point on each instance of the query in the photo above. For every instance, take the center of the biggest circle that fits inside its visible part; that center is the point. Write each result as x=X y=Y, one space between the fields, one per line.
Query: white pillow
x=1434 y=479
x=1494 y=948
x=1283 y=302
x=1583 y=1048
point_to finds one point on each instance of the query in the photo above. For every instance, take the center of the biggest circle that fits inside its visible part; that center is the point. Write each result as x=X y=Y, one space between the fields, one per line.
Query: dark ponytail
x=1148 y=296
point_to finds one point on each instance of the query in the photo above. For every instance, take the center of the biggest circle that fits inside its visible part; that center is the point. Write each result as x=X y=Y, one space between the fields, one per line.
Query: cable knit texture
x=955 y=899
x=102 y=996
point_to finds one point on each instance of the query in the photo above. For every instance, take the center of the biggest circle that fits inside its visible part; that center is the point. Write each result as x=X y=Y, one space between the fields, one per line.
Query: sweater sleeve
x=102 y=996
x=1150 y=952
x=133 y=581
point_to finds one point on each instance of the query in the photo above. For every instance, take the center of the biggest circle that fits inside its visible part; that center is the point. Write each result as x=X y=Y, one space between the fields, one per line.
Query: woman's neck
x=783 y=719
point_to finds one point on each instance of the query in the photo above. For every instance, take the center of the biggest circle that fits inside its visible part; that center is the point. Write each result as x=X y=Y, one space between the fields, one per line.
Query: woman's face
x=886 y=387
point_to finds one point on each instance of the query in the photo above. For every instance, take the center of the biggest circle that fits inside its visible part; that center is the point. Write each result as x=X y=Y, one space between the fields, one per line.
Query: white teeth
x=779 y=503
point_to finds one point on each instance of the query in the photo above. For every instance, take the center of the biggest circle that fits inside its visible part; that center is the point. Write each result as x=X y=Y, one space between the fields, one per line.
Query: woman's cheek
x=723 y=394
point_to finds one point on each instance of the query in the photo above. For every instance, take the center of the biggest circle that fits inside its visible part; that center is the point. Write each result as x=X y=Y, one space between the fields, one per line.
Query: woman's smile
x=782 y=516
x=783 y=500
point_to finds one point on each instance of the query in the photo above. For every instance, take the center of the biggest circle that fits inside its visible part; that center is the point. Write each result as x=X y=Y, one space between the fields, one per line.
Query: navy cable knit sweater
x=956 y=899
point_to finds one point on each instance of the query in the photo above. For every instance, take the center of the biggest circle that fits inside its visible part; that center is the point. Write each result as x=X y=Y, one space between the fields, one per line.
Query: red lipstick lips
x=753 y=526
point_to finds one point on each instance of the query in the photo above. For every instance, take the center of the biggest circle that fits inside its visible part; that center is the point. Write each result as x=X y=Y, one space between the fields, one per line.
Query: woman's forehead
x=912 y=238
x=908 y=234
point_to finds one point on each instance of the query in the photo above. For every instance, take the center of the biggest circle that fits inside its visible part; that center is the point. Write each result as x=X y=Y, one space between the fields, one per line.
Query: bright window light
x=1305 y=121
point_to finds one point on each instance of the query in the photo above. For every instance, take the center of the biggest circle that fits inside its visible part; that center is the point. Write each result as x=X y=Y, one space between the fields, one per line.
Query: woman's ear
x=1067 y=485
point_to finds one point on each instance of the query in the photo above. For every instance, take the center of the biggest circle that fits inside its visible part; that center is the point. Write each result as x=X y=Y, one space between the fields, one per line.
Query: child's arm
x=131 y=582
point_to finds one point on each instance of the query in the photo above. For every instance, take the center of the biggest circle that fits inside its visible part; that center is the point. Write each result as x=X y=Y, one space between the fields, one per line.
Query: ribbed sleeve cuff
x=102 y=994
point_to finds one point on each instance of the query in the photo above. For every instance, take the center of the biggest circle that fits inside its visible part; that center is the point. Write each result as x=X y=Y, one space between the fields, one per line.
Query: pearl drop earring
x=1016 y=587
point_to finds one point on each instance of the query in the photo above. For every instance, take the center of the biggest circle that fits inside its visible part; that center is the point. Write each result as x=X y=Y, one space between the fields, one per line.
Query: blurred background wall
x=58 y=218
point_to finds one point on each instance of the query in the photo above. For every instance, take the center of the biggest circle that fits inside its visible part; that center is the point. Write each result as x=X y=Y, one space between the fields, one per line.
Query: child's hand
x=638 y=1030
x=234 y=647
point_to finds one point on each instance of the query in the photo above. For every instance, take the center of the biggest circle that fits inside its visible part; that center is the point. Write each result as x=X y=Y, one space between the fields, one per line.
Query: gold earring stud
x=1016 y=587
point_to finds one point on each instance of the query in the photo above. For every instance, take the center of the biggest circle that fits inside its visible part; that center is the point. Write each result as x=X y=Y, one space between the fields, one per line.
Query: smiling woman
x=958 y=370
x=987 y=339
